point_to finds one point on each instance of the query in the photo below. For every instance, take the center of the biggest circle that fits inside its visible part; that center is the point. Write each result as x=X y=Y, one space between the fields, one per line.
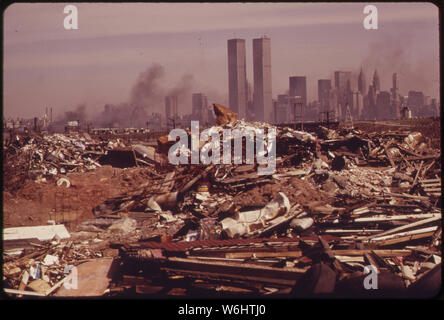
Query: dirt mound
x=36 y=203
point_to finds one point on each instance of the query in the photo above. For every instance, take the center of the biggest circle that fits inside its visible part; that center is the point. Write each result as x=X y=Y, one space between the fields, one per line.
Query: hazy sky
x=48 y=66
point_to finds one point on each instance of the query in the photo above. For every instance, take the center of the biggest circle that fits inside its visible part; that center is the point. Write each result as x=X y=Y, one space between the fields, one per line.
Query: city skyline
x=46 y=66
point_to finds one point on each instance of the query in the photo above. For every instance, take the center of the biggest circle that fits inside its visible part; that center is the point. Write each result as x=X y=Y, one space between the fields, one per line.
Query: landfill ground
x=113 y=213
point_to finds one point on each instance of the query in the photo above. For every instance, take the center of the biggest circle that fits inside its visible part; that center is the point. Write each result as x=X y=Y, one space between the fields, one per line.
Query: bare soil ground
x=36 y=203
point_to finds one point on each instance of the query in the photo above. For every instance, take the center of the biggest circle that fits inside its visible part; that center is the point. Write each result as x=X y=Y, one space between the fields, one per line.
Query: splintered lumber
x=247 y=271
x=398 y=238
x=417 y=173
x=407 y=226
x=349 y=259
x=404 y=239
x=22 y=292
x=392 y=218
x=353 y=231
x=389 y=157
x=407 y=233
x=379 y=252
x=195 y=179
x=405 y=195
x=432 y=186
x=292 y=254
x=371 y=261
x=330 y=254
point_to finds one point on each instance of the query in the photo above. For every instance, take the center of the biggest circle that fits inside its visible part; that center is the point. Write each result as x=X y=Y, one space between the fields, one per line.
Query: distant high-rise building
x=383 y=106
x=280 y=110
x=376 y=83
x=298 y=87
x=370 y=111
x=171 y=113
x=262 y=99
x=200 y=107
x=334 y=112
x=396 y=103
x=342 y=80
x=237 y=77
x=416 y=102
x=395 y=89
x=343 y=87
x=287 y=108
x=361 y=83
x=324 y=87
x=357 y=105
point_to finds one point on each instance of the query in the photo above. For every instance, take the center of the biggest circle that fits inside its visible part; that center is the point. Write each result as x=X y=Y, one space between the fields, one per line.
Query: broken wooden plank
x=392 y=218
x=404 y=239
x=380 y=252
x=407 y=233
x=22 y=292
x=259 y=254
x=417 y=173
x=330 y=254
x=407 y=226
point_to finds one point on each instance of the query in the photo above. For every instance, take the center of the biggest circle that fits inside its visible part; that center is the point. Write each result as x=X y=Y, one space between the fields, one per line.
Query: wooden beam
x=22 y=292
x=407 y=226
x=330 y=254
x=379 y=252
x=407 y=233
x=404 y=239
x=292 y=254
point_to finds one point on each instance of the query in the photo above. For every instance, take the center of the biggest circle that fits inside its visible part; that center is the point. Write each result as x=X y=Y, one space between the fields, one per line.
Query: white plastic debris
x=42 y=233
x=250 y=221
x=302 y=223
x=50 y=260
x=63 y=181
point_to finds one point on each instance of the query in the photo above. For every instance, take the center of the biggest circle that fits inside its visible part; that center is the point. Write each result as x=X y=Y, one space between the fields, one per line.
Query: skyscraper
x=416 y=102
x=343 y=87
x=324 y=87
x=237 y=77
x=396 y=104
x=263 y=105
x=361 y=83
x=200 y=107
x=298 y=87
x=376 y=83
x=383 y=109
x=395 y=89
x=170 y=108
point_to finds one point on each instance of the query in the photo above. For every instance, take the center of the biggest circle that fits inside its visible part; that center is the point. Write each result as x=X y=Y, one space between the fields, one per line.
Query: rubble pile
x=40 y=158
x=338 y=202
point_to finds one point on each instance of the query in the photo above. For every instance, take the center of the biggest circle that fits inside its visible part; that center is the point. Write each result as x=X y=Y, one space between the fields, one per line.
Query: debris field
x=124 y=221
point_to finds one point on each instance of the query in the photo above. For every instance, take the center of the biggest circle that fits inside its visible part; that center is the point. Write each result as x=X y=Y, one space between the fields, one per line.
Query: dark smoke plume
x=393 y=55
x=147 y=92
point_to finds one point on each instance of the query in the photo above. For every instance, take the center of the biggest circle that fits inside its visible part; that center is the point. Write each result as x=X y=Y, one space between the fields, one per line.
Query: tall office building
x=324 y=87
x=396 y=103
x=298 y=87
x=357 y=105
x=416 y=102
x=383 y=106
x=237 y=77
x=395 y=89
x=361 y=83
x=343 y=87
x=200 y=108
x=263 y=104
x=376 y=82
x=171 y=109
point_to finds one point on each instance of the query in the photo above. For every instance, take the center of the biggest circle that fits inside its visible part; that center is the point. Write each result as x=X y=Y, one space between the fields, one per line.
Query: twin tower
x=261 y=106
